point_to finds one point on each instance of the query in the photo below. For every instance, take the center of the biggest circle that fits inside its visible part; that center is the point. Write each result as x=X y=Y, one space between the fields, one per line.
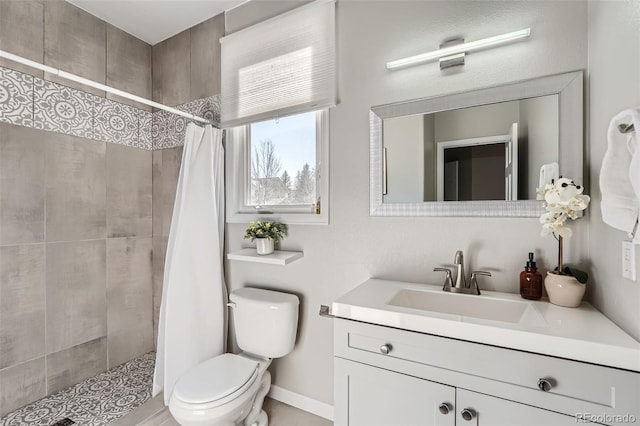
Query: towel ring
x=626 y=128
x=634 y=235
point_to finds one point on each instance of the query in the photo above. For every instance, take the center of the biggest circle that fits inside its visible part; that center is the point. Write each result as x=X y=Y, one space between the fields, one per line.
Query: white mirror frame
x=568 y=87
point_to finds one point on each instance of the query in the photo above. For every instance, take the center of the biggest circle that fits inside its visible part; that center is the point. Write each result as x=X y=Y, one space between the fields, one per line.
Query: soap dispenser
x=530 y=281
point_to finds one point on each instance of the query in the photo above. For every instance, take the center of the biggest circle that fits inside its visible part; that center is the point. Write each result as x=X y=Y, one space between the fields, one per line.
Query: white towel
x=620 y=173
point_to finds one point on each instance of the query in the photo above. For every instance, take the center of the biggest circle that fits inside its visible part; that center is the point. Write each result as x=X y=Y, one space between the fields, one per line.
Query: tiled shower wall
x=75 y=260
x=79 y=202
x=75 y=205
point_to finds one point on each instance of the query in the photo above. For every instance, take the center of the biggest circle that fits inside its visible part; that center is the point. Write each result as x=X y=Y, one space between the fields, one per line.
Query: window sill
x=278 y=257
x=288 y=218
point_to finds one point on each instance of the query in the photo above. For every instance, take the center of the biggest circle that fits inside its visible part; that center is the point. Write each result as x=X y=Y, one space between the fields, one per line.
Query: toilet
x=229 y=389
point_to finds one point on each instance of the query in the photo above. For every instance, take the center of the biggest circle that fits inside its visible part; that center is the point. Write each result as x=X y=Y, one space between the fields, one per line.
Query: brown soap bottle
x=530 y=281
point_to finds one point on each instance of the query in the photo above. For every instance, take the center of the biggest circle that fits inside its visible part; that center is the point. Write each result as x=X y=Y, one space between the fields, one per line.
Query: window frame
x=238 y=179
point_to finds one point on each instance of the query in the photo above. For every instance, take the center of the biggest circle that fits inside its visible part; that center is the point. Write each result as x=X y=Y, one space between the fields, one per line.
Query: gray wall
x=75 y=217
x=614 y=67
x=355 y=246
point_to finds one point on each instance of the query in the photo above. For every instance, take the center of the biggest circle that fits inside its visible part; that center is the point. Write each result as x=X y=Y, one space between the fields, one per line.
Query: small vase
x=564 y=290
x=264 y=245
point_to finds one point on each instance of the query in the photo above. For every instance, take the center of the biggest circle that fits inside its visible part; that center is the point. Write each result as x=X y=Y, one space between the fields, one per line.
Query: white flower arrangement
x=563 y=200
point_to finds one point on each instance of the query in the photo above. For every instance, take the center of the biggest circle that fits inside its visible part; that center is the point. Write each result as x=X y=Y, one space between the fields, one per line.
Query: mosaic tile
x=33 y=102
x=168 y=129
x=115 y=122
x=208 y=108
x=96 y=401
x=145 y=118
x=61 y=109
x=16 y=97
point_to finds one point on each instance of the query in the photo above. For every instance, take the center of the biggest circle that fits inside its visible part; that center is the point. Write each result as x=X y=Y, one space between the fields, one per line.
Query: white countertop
x=582 y=334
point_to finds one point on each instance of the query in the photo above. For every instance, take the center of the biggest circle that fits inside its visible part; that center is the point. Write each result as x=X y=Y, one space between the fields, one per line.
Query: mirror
x=486 y=152
x=475 y=153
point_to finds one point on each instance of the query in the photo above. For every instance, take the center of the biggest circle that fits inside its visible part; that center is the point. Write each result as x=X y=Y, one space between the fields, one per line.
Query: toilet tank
x=265 y=321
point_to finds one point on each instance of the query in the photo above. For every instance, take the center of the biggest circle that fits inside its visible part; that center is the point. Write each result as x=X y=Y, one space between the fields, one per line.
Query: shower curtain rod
x=100 y=86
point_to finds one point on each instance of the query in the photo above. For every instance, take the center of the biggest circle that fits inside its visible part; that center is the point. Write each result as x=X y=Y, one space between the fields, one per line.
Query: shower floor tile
x=94 y=402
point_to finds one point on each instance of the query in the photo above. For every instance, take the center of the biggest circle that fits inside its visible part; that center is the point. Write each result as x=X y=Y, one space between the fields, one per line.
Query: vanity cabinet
x=485 y=410
x=388 y=376
x=375 y=396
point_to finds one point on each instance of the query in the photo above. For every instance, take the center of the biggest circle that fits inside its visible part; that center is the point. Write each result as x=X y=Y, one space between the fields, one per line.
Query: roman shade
x=282 y=66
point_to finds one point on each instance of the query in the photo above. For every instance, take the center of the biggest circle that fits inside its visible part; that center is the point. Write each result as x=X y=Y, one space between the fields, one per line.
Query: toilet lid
x=215 y=379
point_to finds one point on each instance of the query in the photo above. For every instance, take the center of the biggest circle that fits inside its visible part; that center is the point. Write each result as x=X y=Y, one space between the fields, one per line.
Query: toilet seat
x=215 y=382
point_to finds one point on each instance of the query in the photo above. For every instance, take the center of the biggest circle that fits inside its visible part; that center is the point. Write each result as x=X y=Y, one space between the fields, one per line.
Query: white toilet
x=229 y=389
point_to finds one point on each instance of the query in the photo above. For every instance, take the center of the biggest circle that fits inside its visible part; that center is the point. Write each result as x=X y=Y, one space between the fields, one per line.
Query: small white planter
x=564 y=290
x=264 y=245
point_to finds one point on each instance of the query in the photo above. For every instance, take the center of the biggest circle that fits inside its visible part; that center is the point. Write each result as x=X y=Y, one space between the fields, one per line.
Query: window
x=282 y=66
x=279 y=167
x=278 y=77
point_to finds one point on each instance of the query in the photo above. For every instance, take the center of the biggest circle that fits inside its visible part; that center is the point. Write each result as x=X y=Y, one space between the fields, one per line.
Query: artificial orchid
x=563 y=200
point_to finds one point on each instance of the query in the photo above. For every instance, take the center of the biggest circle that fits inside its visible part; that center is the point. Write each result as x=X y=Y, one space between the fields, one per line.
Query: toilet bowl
x=229 y=389
x=221 y=391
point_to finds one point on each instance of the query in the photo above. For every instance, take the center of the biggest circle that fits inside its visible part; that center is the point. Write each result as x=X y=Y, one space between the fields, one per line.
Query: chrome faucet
x=458 y=261
x=460 y=284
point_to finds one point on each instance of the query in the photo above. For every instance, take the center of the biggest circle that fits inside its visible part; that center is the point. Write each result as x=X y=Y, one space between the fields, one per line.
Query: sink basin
x=461 y=305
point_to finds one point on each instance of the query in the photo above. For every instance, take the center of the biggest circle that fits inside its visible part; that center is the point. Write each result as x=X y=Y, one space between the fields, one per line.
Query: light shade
x=285 y=65
x=459 y=48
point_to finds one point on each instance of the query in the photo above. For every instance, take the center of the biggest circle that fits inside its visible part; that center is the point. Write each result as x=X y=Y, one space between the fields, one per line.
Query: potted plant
x=563 y=200
x=266 y=233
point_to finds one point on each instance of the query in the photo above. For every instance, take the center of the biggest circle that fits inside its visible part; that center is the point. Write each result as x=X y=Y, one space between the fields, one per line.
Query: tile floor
x=122 y=397
x=94 y=402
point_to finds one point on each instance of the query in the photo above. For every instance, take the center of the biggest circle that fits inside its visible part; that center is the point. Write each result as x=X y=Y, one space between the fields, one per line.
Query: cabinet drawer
x=576 y=387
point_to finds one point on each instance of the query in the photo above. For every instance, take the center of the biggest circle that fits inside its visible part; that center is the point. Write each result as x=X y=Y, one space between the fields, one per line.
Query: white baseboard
x=302 y=402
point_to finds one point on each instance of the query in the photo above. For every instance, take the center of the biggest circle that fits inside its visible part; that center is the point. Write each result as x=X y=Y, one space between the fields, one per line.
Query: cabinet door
x=371 y=396
x=485 y=410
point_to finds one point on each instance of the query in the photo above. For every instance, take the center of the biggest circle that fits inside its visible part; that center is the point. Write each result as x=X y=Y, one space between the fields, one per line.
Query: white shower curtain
x=192 y=323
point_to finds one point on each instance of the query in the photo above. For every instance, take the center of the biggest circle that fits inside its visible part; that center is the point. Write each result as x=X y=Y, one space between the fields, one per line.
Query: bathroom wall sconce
x=452 y=53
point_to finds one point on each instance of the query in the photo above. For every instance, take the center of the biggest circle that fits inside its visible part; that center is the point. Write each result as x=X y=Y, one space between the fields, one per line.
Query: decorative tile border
x=61 y=109
x=115 y=122
x=33 y=102
x=168 y=129
x=96 y=401
x=145 y=118
x=16 y=97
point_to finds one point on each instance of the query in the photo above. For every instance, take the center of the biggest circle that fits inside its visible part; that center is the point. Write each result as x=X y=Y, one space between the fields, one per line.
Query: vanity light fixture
x=456 y=52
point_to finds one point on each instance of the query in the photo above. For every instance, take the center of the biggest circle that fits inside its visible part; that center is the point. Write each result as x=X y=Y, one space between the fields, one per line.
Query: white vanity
x=409 y=354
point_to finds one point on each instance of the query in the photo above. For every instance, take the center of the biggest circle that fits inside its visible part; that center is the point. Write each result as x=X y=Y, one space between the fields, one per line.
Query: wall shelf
x=278 y=257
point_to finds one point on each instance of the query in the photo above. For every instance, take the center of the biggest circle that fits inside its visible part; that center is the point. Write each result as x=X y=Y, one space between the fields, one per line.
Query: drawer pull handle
x=444 y=408
x=386 y=348
x=545 y=384
x=468 y=414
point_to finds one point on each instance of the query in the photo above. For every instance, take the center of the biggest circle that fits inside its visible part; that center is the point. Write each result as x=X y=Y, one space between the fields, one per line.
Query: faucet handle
x=474 y=280
x=448 y=280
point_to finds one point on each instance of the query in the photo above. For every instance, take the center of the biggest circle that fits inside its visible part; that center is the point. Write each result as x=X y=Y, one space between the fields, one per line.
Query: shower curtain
x=192 y=325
